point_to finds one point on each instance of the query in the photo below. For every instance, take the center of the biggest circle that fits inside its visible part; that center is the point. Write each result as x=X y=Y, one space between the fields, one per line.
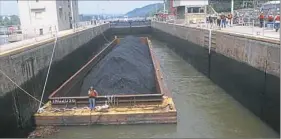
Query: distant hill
x=147 y=10
x=9 y=20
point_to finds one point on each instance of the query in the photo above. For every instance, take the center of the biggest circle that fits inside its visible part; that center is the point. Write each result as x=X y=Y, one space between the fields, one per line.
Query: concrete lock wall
x=28 y=68
x=246 y=67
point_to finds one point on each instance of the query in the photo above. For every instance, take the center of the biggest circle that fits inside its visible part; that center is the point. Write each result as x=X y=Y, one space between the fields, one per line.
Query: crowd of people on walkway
x=220 y=20
x=270 y=20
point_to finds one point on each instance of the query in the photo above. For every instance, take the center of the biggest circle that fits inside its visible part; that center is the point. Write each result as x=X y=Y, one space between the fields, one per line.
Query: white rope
x=18 y=86
x=101 y=30
x=110 y=100
x=103 y=34
x=48 y=72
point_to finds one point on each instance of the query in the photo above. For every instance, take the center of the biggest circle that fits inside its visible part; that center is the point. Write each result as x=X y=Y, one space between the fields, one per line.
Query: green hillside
x=145 y=11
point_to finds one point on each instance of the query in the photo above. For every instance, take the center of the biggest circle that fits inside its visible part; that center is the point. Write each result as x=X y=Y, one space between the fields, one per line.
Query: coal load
x=127 y=69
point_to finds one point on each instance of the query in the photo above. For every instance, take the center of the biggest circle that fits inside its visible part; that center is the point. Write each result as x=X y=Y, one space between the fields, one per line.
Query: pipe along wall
x=249 y=74
x=255 y=89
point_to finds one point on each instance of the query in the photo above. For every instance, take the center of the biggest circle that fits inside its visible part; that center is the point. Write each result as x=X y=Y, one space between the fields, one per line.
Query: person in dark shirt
x=211 y=21
x=223 y=19
x=219 y=21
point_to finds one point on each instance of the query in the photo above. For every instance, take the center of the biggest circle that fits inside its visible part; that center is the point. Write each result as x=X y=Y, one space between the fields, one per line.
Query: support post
x=164 y=6
x=263 y=28
x=232 y=12
x=210 y=40
x=209 y=55
x=72 y=14
x=253 y=25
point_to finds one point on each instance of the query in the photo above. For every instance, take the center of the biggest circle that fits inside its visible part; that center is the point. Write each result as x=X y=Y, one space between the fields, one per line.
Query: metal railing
x=35 y=33
x=121 y=24
x=248 y=28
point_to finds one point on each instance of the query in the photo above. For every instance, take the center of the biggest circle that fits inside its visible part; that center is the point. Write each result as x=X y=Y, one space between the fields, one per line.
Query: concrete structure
x=26 y=65
x=191 y=11
x=245 y=66
x=41 y=17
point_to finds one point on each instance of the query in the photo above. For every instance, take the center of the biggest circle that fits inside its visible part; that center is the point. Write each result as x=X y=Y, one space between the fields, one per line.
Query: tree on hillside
x=153 y=12
x=14 y=20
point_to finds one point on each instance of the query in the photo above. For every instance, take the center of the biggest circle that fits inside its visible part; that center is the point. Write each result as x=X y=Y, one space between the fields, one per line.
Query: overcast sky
x=9 y=7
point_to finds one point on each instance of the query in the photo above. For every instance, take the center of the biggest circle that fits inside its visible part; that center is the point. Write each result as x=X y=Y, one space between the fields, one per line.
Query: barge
x=65 y=109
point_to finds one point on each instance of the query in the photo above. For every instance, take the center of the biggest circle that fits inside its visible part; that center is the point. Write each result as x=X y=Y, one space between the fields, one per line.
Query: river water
x=204 y=109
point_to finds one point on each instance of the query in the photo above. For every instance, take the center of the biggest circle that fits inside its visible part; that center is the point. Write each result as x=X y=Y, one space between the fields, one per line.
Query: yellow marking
x=138 y=109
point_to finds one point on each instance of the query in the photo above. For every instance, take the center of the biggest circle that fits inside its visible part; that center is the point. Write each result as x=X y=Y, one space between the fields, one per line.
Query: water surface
x=204 y=109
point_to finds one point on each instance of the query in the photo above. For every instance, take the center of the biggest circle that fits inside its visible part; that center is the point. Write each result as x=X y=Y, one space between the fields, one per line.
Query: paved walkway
x=6 y=48
x=270 y=33
x=247 y=30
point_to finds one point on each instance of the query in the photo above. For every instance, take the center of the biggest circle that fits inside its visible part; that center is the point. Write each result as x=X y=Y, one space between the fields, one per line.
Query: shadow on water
x=117 y=131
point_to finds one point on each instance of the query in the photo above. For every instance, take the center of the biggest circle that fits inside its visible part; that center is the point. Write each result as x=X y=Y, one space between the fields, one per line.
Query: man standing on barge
x=92 y=97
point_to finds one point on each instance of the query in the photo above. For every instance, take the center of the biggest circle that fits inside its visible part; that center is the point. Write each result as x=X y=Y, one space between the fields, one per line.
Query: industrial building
x=191 y=10
x=42 y=17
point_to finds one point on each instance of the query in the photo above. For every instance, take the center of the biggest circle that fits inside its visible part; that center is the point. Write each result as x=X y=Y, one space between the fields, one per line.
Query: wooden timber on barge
x=123 y=109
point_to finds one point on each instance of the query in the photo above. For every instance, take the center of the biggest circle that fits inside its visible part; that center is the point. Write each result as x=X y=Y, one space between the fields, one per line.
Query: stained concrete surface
x=18 y=108
x=248 y=85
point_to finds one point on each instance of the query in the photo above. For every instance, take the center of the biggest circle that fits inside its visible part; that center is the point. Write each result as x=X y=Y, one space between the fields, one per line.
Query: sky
x=10 y=7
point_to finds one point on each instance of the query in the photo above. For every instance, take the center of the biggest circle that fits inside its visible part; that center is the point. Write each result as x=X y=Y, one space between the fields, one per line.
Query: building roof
x=272 y=2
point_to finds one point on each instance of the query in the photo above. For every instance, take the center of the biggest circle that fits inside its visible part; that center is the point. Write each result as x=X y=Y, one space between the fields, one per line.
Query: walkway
x=246 y=30
x=270 y=33
x=28 y=42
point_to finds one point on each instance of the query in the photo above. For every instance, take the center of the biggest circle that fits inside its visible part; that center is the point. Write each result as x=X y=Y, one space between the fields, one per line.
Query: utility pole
x=72 y=14
x=232 y=11
x=156 y=8
x=164 y=6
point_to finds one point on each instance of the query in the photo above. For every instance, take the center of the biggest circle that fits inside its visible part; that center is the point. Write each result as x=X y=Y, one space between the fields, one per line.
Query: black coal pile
x=127 y=69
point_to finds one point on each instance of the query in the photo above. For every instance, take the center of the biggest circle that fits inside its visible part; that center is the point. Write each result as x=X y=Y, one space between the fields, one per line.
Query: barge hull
x=156 y=108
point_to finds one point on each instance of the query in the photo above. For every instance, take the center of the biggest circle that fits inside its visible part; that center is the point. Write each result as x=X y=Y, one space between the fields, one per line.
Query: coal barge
x=64 y=108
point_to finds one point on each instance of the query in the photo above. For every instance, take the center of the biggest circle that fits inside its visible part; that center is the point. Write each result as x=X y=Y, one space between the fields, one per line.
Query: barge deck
x=122 y=109
x=137 y=114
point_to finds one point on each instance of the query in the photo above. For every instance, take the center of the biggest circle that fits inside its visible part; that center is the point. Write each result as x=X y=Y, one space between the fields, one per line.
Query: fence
x=120 y=24
x=247 y=28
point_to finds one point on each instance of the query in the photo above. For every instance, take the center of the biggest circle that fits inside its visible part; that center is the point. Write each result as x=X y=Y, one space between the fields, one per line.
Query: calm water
x=204 y=109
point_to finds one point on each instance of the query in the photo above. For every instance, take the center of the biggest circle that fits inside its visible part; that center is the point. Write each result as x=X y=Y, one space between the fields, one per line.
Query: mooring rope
x=48 y=72
x=99 y=26
x=19 y=86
